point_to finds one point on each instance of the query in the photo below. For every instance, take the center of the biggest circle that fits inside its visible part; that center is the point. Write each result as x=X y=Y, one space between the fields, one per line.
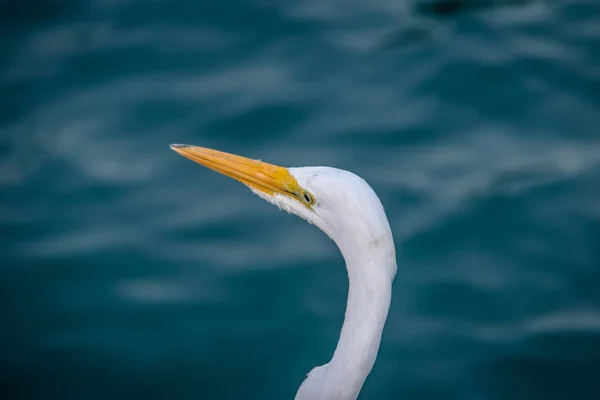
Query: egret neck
x=371 y=269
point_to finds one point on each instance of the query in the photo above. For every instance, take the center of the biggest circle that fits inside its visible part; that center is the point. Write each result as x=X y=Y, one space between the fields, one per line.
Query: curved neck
x=371 y=270
x=370 y=278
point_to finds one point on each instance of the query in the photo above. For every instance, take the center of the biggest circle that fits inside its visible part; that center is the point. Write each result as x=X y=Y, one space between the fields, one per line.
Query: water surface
x=128 y=271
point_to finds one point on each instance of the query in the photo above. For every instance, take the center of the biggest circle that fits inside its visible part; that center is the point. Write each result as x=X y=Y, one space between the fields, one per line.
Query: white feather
x=350 y=213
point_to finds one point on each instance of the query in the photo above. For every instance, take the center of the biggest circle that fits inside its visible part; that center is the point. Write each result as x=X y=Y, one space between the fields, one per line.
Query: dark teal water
x=129 y=272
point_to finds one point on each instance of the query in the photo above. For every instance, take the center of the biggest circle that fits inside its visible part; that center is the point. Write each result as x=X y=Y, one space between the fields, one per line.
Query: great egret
x=345 y=207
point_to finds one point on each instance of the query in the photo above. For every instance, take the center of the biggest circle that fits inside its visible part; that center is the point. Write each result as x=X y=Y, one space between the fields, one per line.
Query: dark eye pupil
x=307 y=198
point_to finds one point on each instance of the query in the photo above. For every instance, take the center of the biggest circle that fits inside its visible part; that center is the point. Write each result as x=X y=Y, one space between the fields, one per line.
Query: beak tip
x=177 y=146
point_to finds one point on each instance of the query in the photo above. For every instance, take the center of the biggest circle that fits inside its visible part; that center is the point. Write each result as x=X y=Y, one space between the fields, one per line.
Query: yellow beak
x=267 y=178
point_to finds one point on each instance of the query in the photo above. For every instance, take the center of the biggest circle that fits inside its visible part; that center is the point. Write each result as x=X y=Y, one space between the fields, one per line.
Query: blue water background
x=129 y=272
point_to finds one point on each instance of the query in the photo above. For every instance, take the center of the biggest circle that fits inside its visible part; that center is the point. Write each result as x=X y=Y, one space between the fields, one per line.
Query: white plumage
x=347 y=209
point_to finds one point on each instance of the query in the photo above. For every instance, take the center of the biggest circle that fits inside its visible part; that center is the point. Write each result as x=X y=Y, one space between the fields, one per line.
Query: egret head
x=338 y=202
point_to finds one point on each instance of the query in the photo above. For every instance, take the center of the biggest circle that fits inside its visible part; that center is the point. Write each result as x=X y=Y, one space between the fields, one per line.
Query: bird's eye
x=308 y=198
